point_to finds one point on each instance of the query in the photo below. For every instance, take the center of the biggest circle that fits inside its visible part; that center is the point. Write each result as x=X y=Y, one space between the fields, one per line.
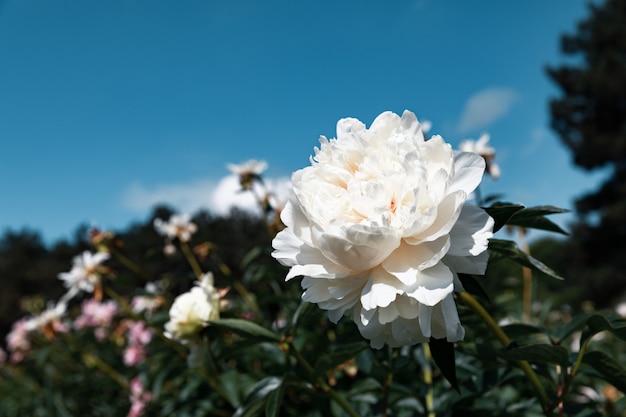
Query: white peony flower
x=85 y=273
x=248 y=172
x=192 y=310
x=251 y=167
x=49 y=320
x=482 y=148
x=379 y=228
x=179 y=226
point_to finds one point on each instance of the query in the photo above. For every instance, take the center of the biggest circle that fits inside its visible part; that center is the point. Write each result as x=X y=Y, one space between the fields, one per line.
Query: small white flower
x=248 y=172
x=85 y=273
x=191 y=311
x=251 y=167
x=179 y=227
x=49 y=320
x=379 y=227
x=482 y=148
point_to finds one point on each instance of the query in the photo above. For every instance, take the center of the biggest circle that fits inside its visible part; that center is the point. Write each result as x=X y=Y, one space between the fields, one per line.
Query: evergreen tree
x=590 y=119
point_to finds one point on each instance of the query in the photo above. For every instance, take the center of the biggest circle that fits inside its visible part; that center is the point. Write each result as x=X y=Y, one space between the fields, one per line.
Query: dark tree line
x=590 y=119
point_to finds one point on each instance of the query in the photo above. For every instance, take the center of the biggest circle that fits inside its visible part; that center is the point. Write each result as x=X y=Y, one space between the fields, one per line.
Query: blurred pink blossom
x=138 y=337
x=18 y=342
x=98 y=315
x=138 y=398
x=134 y=355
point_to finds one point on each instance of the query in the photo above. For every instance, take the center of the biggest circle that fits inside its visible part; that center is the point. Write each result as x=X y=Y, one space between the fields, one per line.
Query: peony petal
x=380 y=290
x=424 y=319
x=359 y=246
x=433 y=285
x=304 y=260
x=406 y=332
x=471 y=233
x=468 y=172
x=445 y=322
x=448 y=212
x=406 y=262
x=387 y=314
x=468 y=264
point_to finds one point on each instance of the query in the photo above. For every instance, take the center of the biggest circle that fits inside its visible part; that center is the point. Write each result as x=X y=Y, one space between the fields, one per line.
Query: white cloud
x=216 y=196
x=485 y=107
x=537 y=137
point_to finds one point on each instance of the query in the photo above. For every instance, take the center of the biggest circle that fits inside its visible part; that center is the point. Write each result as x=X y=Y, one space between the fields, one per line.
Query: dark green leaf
x=246 y=328
x=253 y=254
x=542 y=353
x=509 y=250
x=501 y=213
x=577 y=323
x=519 y=330
x=472 y=286
x=533 y=218
x=331 y=360
x=442 y=353
x=598 y=322
x=256 y=400
x=231 y=383
x=608 y=368
x=274 y=401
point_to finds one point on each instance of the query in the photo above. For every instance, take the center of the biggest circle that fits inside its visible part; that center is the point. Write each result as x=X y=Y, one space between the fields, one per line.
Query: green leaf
x=253 y=254
x=331 y=360
x=607 y=368
x=501 y=213
x=509 y=250
x=541 y=353
x=275 y=400
x=577 y=323
x=442 y=353
x=519 y=330
x=598 y=323
x=533 y=218
x=472 y=286
x=256 y=400
x=246 y=328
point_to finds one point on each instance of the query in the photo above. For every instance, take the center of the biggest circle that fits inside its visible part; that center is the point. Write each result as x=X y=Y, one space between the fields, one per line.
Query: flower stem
x=93 y=360
x=528 y=279
x=569 y=377
x=472 y=303
x=428 y=379
x=343 y=403
x=193 y=262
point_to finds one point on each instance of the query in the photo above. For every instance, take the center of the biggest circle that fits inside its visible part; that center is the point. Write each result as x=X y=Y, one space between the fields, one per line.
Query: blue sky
x=109 y=106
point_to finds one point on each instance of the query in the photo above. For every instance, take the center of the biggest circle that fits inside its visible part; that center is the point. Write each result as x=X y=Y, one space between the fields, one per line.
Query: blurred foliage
x=590 y=119
x=270 y=354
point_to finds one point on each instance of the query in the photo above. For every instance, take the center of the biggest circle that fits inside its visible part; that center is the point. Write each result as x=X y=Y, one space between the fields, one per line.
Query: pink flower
x=97 y=315
x=138 y=334
x=138 y=337
x=134 y=355
x=138 y=398
x=18 y=342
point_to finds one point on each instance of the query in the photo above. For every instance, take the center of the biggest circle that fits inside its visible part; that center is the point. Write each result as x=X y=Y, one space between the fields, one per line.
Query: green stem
x=124 y=260
x=343 y=403
x=572 y=373
x=472 y=303
x=93 y=360
x=428 y=379
x=193 y=262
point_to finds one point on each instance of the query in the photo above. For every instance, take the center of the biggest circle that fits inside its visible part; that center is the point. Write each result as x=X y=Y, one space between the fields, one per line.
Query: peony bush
x=387 y=228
